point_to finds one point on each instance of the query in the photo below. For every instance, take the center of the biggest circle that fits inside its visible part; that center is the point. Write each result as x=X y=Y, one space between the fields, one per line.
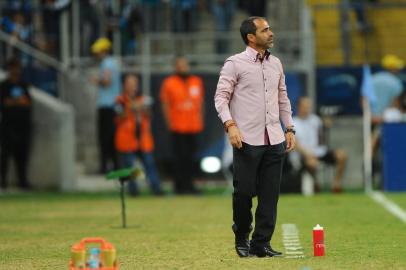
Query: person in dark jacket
x=15 y=124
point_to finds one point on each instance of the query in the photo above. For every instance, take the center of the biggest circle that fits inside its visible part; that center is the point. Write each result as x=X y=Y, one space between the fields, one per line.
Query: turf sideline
x=393 y=208
x=293 y=248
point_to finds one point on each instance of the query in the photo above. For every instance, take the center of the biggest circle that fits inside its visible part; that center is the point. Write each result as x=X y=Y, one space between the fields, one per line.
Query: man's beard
x=269 y=45
x=265 y=46
x=183 y=75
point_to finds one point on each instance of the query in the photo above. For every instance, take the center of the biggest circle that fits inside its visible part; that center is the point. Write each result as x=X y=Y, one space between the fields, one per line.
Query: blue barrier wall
x=394 y=156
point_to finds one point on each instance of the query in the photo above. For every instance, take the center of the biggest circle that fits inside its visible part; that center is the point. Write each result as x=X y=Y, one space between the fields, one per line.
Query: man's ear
x=251 y=37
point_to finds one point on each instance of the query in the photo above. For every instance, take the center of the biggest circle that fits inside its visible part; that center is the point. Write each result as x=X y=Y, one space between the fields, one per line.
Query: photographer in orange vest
x=133 y=133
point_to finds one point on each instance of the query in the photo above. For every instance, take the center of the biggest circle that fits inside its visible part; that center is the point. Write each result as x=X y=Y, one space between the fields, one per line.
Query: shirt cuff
x=225 y=116
x=287 y=121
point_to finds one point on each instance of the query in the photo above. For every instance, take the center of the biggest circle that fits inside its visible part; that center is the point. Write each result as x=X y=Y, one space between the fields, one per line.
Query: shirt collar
x=254 y=55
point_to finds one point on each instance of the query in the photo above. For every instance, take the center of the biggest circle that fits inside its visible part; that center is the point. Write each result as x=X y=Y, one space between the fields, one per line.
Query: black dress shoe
x=242 y=243
x=274 y=252
x=264 y=251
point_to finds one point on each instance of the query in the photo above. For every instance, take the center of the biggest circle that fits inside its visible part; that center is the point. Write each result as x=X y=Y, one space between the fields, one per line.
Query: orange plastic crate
x=103 y=245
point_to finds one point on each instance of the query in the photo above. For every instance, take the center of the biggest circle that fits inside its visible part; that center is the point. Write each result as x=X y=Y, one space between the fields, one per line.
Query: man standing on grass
x=15 y=124
x=108 y=82
x=182 y=98
x=250 y=99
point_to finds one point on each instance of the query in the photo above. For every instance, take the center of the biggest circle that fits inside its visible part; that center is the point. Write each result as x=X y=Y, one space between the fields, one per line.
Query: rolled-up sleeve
x=285 y=109
x=224 y=91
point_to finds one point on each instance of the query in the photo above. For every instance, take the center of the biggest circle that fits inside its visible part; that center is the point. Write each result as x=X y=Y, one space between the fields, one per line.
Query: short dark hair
x=248 y=27
x=125 y=75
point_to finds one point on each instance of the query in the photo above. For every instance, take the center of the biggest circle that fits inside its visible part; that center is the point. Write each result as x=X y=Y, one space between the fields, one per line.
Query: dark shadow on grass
x=131 y=227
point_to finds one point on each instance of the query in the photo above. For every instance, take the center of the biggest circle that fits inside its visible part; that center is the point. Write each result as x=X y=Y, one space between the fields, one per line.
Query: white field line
x=295 y=257
x=393 y=208
x=293 y=248
x=292 y=237
x=291 y=244
x=294 y=253
x=290 y=240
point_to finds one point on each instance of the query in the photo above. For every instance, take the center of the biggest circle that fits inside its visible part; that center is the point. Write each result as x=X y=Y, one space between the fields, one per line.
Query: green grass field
x=37 y=230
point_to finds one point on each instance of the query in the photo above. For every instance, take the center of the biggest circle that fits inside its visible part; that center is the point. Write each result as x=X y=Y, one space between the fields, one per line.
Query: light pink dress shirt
x=254 y=95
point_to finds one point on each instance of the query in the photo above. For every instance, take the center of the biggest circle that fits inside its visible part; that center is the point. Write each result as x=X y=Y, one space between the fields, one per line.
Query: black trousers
x=18 y=148
x=257 y=172
x=184 y=150
x=106 y=132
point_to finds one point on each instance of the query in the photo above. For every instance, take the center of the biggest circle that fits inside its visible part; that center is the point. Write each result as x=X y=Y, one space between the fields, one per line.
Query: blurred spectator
x=50 y=19
x=109 y=84
x=182 y=97
x=17 y=26
x=184 y=15
x=397 y=111
x=308 y=127
x=15 y=124
x=402 y=102
x=254 y=7
x=223 y=11
x=15 y=5
x=18 y=29
x=90 y=24
x=153 y=14
x=133 y=133
x=386 y=85
x=359 y=7
x=131 y=24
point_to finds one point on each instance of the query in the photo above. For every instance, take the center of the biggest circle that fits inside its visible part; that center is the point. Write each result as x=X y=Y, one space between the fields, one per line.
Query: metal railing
x=157 y=51
x=33 y=52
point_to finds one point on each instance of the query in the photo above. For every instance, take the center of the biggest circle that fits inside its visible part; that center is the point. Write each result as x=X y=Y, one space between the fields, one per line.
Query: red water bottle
x=318 y=240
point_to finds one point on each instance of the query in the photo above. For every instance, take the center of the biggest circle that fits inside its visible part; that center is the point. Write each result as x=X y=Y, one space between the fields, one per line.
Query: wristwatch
x=229 y=124
x=290 y=129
